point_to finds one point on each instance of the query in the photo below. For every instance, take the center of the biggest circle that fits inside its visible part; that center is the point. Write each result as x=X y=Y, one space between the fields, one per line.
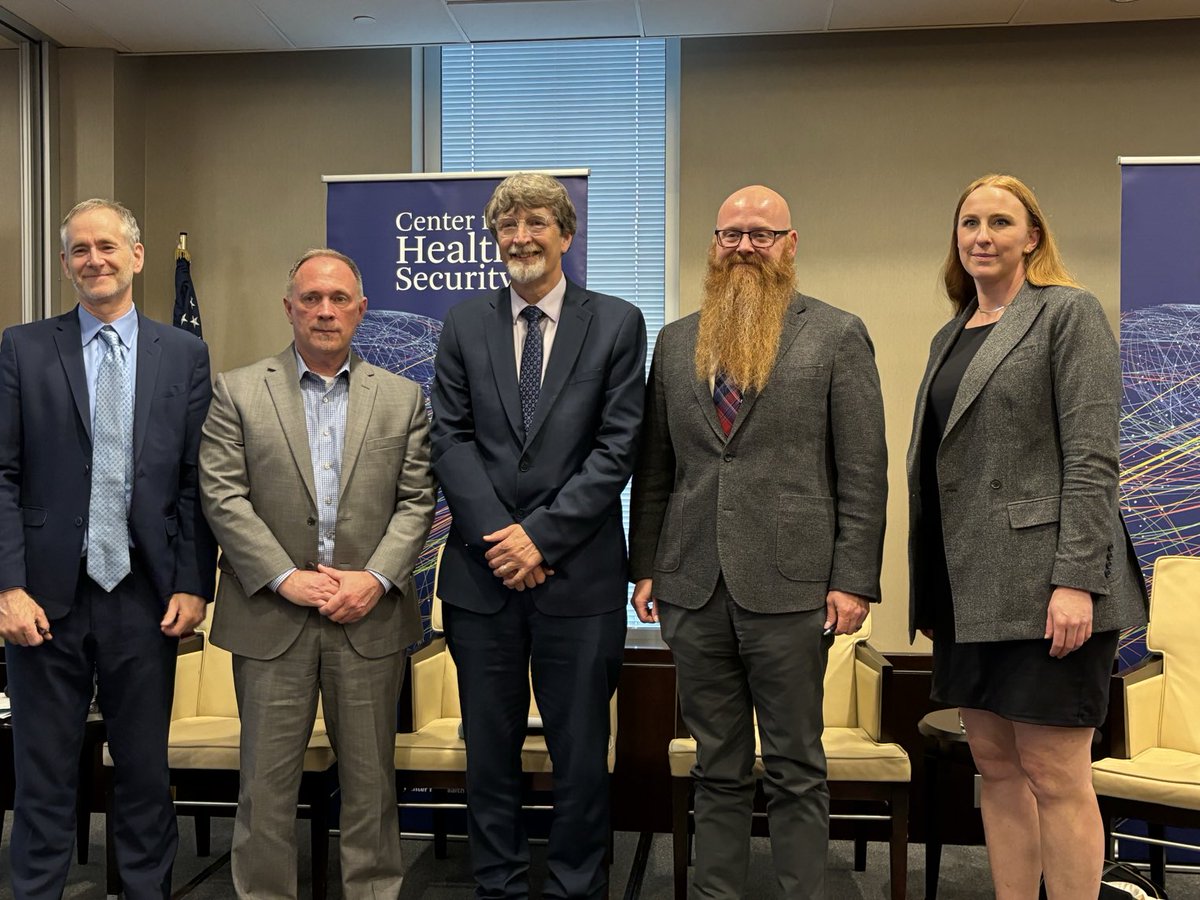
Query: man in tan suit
x=314 y=472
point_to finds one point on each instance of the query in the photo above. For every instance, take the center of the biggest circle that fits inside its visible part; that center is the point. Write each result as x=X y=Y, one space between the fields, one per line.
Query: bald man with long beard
x=757 y=532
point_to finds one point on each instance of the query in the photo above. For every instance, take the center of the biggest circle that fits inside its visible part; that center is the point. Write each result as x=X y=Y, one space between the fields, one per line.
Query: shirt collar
x=126 y=327
x=302 y=369
x=551 y=305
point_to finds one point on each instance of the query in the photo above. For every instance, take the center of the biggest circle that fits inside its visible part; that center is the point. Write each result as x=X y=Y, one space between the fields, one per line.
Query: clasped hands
x=341 y=595
x=515 y=559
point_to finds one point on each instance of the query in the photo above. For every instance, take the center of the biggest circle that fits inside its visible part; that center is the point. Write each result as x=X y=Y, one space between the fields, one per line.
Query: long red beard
x=741 y=316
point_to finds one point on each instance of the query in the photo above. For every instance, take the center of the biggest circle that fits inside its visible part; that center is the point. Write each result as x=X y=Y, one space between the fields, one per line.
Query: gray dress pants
x=730 y=664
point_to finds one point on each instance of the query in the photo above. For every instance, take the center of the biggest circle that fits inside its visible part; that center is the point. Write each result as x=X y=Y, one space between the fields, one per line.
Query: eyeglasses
x=534 y=225
x=760 y=237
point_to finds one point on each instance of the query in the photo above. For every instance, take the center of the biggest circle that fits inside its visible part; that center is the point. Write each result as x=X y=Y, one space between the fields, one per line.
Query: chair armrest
x=193 y=643
x=186 y=699
x=612 y=717
x=1148 y=667
x=872 y=671
x=426 y=671
x=1135 y=707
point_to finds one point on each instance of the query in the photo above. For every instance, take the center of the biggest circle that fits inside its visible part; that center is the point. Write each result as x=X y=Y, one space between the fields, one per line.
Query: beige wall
x=873 y=136
x=230 y=149
x=101 y=134
x=10 y=186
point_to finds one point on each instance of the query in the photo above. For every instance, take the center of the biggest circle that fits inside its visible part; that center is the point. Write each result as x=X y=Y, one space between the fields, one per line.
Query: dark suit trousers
x=732 y=663
x=112 y=641
x=575 y=662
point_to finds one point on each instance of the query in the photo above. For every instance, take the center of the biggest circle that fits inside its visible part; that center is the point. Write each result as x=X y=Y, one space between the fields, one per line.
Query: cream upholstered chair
x=434 y=755
x=863 y=766
x=1154 y=717
x=203 y=752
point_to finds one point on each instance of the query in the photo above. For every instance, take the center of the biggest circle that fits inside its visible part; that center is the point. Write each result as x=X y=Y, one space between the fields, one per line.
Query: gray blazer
x=1027 y=472
x=257 y=488
x=792 y=504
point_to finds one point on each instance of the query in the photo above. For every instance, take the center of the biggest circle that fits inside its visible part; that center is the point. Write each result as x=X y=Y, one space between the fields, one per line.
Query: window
x=602 y=105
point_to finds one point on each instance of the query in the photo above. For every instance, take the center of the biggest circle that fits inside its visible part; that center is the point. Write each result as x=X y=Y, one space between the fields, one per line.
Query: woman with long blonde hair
x=1021 y=570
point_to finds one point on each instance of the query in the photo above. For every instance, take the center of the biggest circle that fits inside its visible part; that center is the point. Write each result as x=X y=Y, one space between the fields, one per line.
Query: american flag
x=187 y=310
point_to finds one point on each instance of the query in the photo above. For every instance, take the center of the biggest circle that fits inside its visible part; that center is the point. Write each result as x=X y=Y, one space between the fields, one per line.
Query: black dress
x=1017 y=680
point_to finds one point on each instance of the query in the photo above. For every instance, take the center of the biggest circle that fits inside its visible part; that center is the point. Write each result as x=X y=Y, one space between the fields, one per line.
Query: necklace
x=996 y=309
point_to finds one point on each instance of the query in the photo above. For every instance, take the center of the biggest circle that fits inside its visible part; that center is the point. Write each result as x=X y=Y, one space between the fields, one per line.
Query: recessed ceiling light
x=367 y=20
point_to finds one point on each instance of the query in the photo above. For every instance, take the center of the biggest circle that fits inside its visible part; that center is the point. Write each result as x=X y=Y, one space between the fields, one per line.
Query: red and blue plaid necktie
x=728 y=399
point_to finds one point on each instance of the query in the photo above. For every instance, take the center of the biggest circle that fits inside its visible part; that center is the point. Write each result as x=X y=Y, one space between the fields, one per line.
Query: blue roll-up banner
x=422 y=245
x=1160 y=360
x=1160 y=357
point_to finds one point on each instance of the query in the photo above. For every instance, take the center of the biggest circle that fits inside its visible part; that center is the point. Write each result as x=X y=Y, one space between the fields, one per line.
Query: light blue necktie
x=531 y=364
x=112 y=442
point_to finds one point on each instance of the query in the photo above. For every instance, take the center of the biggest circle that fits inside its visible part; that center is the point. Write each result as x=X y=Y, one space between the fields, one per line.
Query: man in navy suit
x=537 y=401
x=105 y=557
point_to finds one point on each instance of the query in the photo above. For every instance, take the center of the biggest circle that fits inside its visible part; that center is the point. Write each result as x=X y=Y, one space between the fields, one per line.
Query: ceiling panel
x=496 y=20
x=153 y=26
x=1054 y=12
x=665 y=18
x=319 y=23
x=868 y=14
x=62 y=24
x=175 y=26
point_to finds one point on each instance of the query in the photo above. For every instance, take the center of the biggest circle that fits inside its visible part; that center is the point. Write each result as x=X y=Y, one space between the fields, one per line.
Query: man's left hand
x=514 y=555
x=358 y=592
x=184 y=613
x=844 y=612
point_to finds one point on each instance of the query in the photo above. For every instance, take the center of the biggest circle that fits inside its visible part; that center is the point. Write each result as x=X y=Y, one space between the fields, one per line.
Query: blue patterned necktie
x=531 y=364
x=112 y=440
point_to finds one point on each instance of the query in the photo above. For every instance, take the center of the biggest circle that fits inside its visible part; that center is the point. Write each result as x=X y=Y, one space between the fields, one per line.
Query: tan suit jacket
x=257 y=488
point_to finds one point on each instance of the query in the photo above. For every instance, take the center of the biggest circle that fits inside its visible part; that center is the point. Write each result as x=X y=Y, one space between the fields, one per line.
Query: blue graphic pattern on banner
x=1160 y=361
x=1160 y=357
x=422 y=246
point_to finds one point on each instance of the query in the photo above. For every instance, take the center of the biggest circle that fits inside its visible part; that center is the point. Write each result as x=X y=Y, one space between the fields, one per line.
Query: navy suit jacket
x=46 y=458
x=563 y=480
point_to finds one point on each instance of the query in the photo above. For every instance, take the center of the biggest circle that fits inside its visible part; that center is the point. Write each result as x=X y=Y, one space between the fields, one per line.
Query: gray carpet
x=964 y=870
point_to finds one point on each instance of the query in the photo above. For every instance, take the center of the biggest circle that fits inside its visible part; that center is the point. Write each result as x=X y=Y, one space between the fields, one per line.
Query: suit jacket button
x=87 y=467
x=728 y=457
x=995 y=485
x=524 y=465
x=78 y=521
x=312 y=520
x=309 y=564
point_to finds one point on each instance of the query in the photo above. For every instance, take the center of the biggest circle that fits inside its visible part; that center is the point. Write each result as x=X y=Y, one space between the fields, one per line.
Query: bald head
x=760 y=202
